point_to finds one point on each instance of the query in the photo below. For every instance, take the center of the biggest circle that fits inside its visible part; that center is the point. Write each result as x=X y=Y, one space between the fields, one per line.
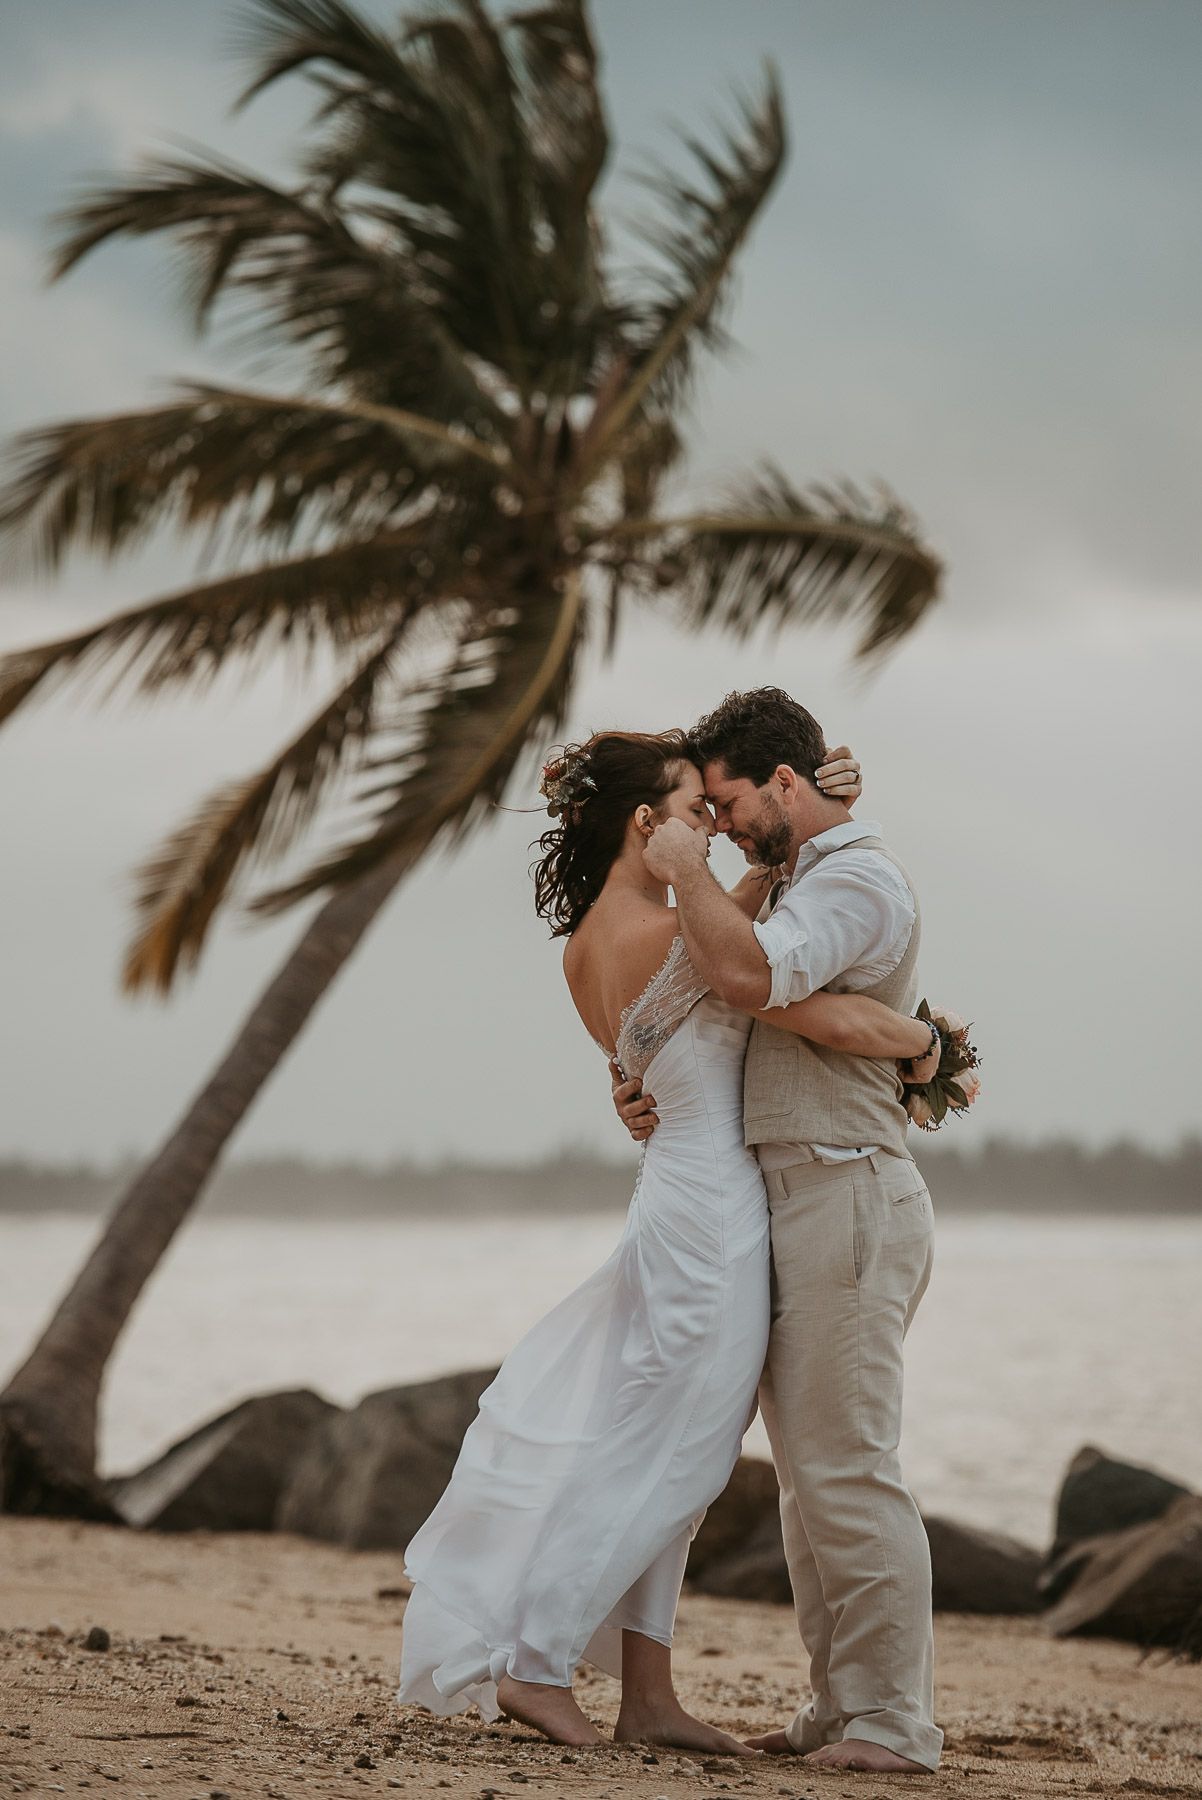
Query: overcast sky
x=981 y=278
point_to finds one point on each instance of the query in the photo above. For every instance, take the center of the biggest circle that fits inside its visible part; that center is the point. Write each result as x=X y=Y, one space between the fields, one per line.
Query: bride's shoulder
x=621 y=938
x=626 y=926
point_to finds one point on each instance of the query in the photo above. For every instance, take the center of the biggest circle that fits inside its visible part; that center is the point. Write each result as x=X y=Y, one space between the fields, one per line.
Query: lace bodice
x=649 y=1021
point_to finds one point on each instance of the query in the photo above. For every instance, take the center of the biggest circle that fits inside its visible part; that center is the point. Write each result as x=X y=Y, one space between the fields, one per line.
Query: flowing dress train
x=617 y=1419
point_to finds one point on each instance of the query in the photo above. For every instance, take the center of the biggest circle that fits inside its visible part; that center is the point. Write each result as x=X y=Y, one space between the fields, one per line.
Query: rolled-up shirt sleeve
x=784 y=943
x=852 y=916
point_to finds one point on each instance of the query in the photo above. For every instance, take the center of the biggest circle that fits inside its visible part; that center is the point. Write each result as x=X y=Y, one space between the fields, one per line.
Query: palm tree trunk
x=48 y=1411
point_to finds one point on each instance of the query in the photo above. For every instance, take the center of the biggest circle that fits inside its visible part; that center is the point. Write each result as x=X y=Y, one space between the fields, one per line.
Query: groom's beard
x=769 y=834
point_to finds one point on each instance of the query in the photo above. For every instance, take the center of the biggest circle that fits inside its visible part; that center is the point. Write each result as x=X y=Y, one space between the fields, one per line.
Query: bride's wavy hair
x=596 y=787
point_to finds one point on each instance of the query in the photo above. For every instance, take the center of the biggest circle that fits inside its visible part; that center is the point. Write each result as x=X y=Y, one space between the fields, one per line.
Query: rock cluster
x=1126 y=1561
x=230 y=1474
x=369 y=1477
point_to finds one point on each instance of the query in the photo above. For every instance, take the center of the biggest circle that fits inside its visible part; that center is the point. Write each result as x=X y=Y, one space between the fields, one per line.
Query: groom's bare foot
x=852 y=1753
x=859 y=1753
x=551 y=1710
x=673 y=1728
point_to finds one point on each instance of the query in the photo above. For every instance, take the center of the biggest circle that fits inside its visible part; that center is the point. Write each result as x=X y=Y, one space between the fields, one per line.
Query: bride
x=616 y=1421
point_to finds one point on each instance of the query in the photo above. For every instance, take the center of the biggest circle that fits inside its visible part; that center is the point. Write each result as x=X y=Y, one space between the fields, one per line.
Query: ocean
x=1038 y=1335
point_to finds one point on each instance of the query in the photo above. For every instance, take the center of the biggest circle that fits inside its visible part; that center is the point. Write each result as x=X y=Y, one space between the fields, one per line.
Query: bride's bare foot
x=673 y=1728
x=858 y=1753
x=551 y=1710
x=773 y=1743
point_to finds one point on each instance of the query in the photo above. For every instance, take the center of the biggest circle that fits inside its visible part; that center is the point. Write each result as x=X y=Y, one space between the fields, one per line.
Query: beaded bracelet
x=936 y=1039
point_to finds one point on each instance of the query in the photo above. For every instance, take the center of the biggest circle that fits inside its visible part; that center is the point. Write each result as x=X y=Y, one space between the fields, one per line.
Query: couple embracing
x=777 y=1245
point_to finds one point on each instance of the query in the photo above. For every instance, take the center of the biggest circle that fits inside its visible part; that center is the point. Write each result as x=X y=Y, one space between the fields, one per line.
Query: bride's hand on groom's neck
x=839 y=776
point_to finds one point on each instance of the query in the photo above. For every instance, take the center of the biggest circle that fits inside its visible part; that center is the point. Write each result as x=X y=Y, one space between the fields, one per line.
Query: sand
x=265 y=1665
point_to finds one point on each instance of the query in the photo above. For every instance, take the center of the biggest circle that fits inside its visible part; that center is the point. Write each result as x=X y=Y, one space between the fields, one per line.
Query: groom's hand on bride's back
x=635 y=1108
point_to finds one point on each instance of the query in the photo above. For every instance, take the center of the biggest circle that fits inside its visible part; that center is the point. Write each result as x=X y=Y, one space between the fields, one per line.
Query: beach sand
x=265 y=1665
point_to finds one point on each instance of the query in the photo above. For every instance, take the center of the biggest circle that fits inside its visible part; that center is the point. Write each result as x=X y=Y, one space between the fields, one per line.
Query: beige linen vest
x=796 y=1092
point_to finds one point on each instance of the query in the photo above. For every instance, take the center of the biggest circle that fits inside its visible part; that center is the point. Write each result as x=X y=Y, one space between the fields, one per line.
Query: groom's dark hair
x=751 y=734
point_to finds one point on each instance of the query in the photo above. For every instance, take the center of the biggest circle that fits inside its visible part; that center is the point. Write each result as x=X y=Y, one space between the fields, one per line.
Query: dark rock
x=1100 y=1495
x=97 y=1639
x=227 y=1476
x=750 y=1496
x=370 y=1477
x=754 y=1570
x=1143 y=1585
x=364 y=1761
x=739 y=1553
x=977 y=1571
x=34 y=1481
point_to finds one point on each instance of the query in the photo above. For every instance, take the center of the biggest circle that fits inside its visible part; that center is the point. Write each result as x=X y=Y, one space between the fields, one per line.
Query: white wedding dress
x=617 y=1420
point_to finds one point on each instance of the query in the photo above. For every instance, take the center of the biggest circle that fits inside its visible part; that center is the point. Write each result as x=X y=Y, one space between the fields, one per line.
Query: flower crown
x=566 y=782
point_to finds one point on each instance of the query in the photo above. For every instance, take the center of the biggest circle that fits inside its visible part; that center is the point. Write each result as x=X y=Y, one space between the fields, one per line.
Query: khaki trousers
x=851 y=1251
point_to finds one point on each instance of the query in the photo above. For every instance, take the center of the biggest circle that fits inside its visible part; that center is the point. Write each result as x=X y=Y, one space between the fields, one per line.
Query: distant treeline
x=1065 y=1177
x=1002 y=1176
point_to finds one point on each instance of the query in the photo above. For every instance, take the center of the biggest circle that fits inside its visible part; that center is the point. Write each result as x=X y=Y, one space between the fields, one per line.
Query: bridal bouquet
x=955 y=1083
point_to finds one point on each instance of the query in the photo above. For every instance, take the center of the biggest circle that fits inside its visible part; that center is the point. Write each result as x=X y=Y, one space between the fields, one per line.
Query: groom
x=851 y=1217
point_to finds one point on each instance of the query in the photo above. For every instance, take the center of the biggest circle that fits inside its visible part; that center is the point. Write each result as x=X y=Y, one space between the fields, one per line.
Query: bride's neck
x=630 y=875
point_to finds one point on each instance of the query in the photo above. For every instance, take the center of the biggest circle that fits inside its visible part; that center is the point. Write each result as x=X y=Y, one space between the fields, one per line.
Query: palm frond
x=483 y=142
x=336 y=598
x=564 y=118
x=650 y=449
x=332 y=284
x=257 y=463
x=464 y=729
x=244 y=824
x=442 y=444
x=219 y=209
x=774 y=554
x=709 y=218
x=568 y=139
x=283 y=36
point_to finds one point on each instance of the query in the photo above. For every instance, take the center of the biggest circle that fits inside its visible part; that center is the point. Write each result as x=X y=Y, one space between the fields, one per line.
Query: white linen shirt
x=852 y=919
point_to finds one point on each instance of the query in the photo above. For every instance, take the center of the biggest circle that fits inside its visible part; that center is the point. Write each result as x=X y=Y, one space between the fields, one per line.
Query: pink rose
x=969 y=1083
x=918 y=1109
x=943 y=1015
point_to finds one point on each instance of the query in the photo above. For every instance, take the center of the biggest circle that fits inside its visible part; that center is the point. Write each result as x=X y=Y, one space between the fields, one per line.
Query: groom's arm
x=852 y=916
x=719 y=936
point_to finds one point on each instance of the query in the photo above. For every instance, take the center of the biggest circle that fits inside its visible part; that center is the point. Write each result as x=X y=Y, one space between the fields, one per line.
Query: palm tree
x=462 y=494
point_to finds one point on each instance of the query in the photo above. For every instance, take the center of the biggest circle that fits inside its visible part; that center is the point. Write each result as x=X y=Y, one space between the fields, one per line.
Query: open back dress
x=618 y=1418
